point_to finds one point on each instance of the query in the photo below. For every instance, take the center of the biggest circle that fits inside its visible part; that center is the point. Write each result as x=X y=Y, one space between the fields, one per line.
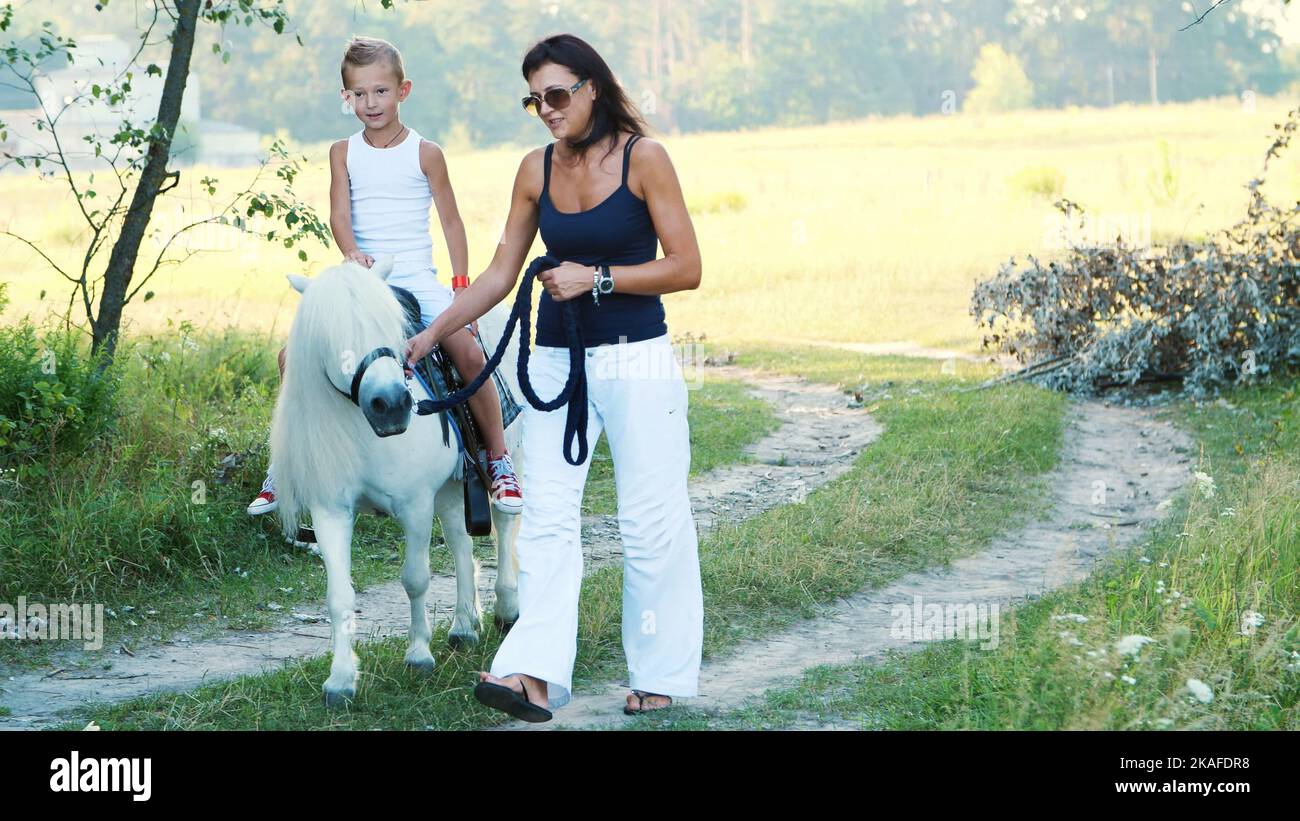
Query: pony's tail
x=289 y=507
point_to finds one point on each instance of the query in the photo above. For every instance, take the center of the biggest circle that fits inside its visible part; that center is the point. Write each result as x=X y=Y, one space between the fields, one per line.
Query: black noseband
x=377 y=353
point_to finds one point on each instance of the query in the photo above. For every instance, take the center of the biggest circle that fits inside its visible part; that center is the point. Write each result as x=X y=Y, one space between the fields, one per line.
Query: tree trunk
x=121 y=263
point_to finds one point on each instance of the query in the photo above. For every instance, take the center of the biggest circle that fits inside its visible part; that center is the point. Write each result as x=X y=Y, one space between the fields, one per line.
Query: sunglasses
x=556 y=98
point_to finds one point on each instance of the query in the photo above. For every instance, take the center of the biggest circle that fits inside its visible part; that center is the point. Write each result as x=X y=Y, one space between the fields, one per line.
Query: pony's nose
x=400 y=403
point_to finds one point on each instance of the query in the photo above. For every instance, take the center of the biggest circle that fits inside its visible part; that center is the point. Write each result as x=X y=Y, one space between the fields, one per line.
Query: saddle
x=440 y=374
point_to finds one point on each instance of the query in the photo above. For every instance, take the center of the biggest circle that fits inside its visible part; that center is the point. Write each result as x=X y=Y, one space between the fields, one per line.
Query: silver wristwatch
x=601 y=283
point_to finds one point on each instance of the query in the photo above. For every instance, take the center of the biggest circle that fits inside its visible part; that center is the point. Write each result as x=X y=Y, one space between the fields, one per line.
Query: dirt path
x=819 y=438
x=1141 y=461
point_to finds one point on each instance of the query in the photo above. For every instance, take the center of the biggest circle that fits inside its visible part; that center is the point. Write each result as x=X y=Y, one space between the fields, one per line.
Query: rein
x=574 y=391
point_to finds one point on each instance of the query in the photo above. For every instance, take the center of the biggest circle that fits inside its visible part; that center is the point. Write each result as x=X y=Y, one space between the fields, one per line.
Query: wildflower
x=1128 y=679
x=1200 y=690
x=1144 y=560
x=1205 y=484
x=1229 y=512
x=1132 y=645
x=1074 y=617
x=1249 y=621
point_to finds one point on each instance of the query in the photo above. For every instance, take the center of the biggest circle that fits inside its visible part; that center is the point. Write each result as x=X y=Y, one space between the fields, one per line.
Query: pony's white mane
x=317 y=434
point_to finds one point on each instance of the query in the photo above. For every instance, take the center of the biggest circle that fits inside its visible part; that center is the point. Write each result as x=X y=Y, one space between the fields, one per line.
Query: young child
x=382 y=181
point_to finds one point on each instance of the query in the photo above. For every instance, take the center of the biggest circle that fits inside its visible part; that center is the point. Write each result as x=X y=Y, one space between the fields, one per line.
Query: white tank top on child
x=390 y=205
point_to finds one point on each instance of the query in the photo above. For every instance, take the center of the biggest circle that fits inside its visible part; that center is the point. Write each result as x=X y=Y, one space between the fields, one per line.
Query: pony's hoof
x=335 y=699
x=457 y=641
x=503 y=625
x=424 y=667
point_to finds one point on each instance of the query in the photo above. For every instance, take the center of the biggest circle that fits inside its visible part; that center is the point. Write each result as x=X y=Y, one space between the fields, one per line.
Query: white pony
x=336 y=458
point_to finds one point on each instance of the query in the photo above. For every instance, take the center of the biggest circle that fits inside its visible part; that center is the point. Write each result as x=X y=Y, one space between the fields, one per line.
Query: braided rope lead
x=574 y=391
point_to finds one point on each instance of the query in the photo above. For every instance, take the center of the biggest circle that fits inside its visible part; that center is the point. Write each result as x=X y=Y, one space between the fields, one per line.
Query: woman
x=603 y=196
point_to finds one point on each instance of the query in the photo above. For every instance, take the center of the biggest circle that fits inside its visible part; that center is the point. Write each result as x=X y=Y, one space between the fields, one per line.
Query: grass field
x=868 y=232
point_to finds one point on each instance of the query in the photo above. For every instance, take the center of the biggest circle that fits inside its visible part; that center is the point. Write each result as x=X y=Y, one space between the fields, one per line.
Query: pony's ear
x=383 y=266
x=298 y=282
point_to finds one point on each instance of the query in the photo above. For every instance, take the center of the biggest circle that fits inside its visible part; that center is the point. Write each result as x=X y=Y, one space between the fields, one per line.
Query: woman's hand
x=359 y=257
x=567 y=280
x=418 y=347
x=457 y=292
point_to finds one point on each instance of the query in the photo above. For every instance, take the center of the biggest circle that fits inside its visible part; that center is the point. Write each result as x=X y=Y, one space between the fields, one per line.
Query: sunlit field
x=871 y=231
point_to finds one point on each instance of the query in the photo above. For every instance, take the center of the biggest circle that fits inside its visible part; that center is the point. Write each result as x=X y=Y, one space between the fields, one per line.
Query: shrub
x=1040 y=180
x=719 y=202
x=52 y=394
x=1209 y=313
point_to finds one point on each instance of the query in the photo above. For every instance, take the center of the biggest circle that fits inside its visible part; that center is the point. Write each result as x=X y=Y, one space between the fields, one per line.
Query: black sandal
x=509 y=701
x=641 y=696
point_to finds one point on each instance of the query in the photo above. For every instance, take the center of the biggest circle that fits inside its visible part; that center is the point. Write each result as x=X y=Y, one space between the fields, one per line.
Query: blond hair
x=364 y=51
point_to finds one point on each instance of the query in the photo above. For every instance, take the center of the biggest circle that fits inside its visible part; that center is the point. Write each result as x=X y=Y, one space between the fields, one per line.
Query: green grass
x=1235 y=552
x=125 y=524
x=951 y=471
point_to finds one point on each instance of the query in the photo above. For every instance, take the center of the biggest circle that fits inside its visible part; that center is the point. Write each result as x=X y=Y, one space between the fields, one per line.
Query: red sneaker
x=506 y=495
x=265 y=501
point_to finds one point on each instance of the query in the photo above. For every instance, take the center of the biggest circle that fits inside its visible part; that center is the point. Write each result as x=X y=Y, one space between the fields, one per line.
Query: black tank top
x=618 y=231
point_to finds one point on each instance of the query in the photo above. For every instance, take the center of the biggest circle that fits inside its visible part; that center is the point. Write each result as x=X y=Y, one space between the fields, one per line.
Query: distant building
x=99 y=60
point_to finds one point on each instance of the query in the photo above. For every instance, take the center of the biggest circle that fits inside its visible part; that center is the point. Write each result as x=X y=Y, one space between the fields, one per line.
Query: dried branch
x=1217 y=3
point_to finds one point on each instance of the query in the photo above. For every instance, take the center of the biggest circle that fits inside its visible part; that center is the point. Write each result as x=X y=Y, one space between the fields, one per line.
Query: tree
x=137 y=156
x=1000 y=82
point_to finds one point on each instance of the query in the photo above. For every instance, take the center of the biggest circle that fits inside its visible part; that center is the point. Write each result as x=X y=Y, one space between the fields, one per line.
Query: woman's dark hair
x=612 y=111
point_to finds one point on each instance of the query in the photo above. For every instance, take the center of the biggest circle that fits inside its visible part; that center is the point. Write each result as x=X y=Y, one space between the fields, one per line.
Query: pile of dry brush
x=1210 y=313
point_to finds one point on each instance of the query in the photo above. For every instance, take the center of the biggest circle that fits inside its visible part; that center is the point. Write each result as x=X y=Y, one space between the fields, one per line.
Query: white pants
x=433 y=296
x=636 y=392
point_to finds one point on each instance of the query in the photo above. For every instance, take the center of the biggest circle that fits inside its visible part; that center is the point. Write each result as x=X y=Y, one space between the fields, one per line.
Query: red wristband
x=459 y=281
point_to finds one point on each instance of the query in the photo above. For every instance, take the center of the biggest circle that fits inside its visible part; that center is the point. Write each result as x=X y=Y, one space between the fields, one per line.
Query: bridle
x=574 y=391
x=422 y=408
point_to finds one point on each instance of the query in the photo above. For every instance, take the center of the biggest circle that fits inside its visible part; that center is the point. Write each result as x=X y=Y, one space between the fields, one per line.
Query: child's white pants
x=636 y=392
